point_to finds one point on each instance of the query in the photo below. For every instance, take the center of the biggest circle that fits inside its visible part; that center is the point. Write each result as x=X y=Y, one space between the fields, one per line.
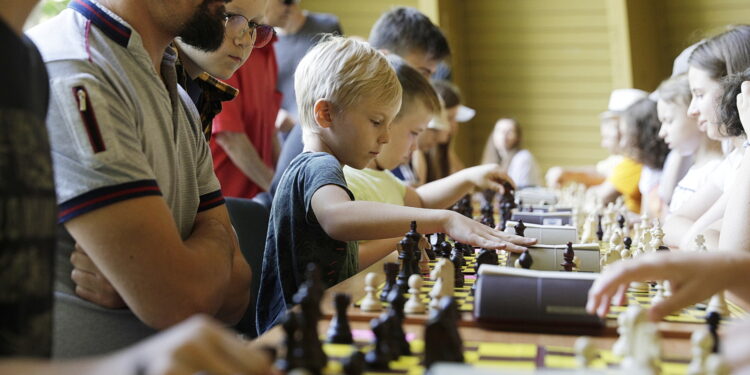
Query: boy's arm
x=136 y=246
x=372 y=251
x=347 y=220
x=446 y=191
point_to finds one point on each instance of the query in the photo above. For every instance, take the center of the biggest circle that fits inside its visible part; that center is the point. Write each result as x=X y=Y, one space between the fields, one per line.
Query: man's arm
x=347 y=220
x=243 y=154
x=164 y=280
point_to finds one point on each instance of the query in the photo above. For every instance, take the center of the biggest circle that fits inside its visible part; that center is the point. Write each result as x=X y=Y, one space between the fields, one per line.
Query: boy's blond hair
x=342 y=71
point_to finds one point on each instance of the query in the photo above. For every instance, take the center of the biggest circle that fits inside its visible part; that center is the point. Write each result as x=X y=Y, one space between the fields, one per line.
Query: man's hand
x=91 y=284
x=743 y=106
x=465 y=230
x=488 y=176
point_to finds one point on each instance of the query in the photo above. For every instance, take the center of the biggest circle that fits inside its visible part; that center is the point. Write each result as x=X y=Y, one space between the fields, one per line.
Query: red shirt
x=252 y=112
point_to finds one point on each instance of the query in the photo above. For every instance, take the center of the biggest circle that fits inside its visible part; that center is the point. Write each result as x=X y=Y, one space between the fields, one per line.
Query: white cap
x=621 y=99
x=465 y=114
x=439 y=122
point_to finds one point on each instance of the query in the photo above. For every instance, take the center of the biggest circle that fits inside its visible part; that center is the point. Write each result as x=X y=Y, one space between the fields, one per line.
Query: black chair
x=250 y=221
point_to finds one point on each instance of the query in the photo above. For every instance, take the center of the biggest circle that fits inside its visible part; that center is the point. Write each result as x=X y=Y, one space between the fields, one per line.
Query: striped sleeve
x=105 y=196
x=211 y=200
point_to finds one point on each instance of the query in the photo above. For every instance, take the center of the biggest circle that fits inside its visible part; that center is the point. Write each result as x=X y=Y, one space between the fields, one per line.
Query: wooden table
x=354 y=286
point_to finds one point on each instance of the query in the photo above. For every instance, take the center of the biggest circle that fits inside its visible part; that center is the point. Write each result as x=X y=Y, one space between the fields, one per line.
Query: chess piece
x=701 y=343
x=657 y=237
x=406 y=260
x=418 y=243
x=713 y=319
x=354 y=364
x=443 y=247
x=424 y=258
x=339 y=331
x=718 y=303
x=442 y=340
x=659 y=296
x=391 y=273
x=488 y=216
x=568 y=265
x=459 y=254
x=399 y=345
x=290 y=325
x=599 y=229
x=700 y=243
x=458 y=273
x=414 y=305
x=308 y=298
x=715 y=365
x=487 y=256
x=381 y=354
x=467 y=249
x=371 y=302
x=520 y=228
x=443 y=275
x=585 y=352
x=643 y=344
x=589 y=229
x=621 y=222
x=625 y=253
x=524 y=260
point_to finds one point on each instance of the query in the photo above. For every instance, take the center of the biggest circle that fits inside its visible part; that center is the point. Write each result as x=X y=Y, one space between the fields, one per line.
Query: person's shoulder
x=324 y=21
x=62 y=37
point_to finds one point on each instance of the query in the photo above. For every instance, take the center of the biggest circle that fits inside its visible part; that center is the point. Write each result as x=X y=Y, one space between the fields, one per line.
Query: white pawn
x=718 y=304
x=414 y=305
x=715 y=365
x=701 y=342
x=585 y=352
x=371 y=301
x=659 y=296
x=589 y=229
x=700 y=243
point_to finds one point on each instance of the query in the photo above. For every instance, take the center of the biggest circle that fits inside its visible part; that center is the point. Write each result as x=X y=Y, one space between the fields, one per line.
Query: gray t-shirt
x=295 y=237
x=118 y=131
x=291 y=48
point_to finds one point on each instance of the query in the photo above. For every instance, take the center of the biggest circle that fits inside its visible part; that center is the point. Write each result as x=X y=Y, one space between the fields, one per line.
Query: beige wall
x=356 y=16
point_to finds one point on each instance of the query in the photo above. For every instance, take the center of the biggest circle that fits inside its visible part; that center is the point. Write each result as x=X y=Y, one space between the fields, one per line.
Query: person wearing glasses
x=198 y=69
x=138 y=202
x=244 y=144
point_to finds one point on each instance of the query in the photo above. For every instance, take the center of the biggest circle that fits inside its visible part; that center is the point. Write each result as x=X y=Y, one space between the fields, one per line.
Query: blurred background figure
x=504 y=147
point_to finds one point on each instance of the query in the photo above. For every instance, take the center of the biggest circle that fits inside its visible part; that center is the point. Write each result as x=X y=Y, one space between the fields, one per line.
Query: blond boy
x=347 y=95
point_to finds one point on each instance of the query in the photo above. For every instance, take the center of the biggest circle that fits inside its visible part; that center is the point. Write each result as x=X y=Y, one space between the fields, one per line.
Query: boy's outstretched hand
x=694 y=277
x=465 y=230
x=488 y=176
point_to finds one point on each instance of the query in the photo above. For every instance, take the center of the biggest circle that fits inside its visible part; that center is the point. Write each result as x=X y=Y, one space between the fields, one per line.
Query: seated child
x=377 y=184
x=347 y=95
x=504 y=147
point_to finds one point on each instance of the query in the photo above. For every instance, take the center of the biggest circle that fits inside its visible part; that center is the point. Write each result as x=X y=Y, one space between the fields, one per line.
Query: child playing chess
x=376 y=183
x=348 y=95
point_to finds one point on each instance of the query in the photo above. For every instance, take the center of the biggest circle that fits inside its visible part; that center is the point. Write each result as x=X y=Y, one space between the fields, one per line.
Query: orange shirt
x=625 y=177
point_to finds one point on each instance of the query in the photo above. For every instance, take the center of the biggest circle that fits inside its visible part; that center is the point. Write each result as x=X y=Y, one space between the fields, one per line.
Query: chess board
x=692 y=314
x=496 y=355
x=462 y=295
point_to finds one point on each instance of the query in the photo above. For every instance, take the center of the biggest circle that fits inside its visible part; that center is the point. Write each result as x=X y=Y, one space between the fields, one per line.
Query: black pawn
x=525 y=259
x=458 y=278
x=520 y=228
x=713 y=319
x=467 y=249
x=290 y=325
x=442 y=340
x=599 y=230
x=627 y=242
x=354 y=364
x=444 y=247
x=380 y=354
x=621 y=222
x=487 y=256
x=339 y=331
x=569 y=255
x=459 y=253
x=391 y=273
x=395 y=313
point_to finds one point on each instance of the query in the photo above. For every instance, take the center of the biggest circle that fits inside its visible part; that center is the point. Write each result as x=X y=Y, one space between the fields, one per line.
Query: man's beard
x=205 y=30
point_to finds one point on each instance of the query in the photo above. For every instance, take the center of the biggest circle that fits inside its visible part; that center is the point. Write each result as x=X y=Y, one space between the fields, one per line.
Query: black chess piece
x=627 y=242
x=380 y=355
x=290 y=325
x=525 y=259
x=442 y=340
x=599 y=230
x=339 y=331
x=713 y=319
x=569 y=255
x=467 y=249
x=395 y=313
x=459 y=253
x=487 y=256
x=467 y=207
x=458 y=273
x=621 y=222
x=310 y=348
x=391 y=273
x=488 y=215
x=489 y=195
x=520 y=228
x=354 y=364
x=444 y=247
x=416 y=238
x=406 y=259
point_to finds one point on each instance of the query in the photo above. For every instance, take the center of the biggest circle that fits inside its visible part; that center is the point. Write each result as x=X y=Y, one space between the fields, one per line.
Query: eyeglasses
x=236 y=25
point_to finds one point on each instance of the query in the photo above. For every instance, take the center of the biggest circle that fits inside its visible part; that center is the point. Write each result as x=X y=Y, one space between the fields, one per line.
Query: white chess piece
x=718 y=303
x=589 y=229
x=644 y=344
x=659 y=296
x=371 y=301
x=414 y=305
x=444 y=282
x=424 y=260
x=700 y=243
x=657 y=236
x=715 y=365
x=701 y=343
x=585 y=352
